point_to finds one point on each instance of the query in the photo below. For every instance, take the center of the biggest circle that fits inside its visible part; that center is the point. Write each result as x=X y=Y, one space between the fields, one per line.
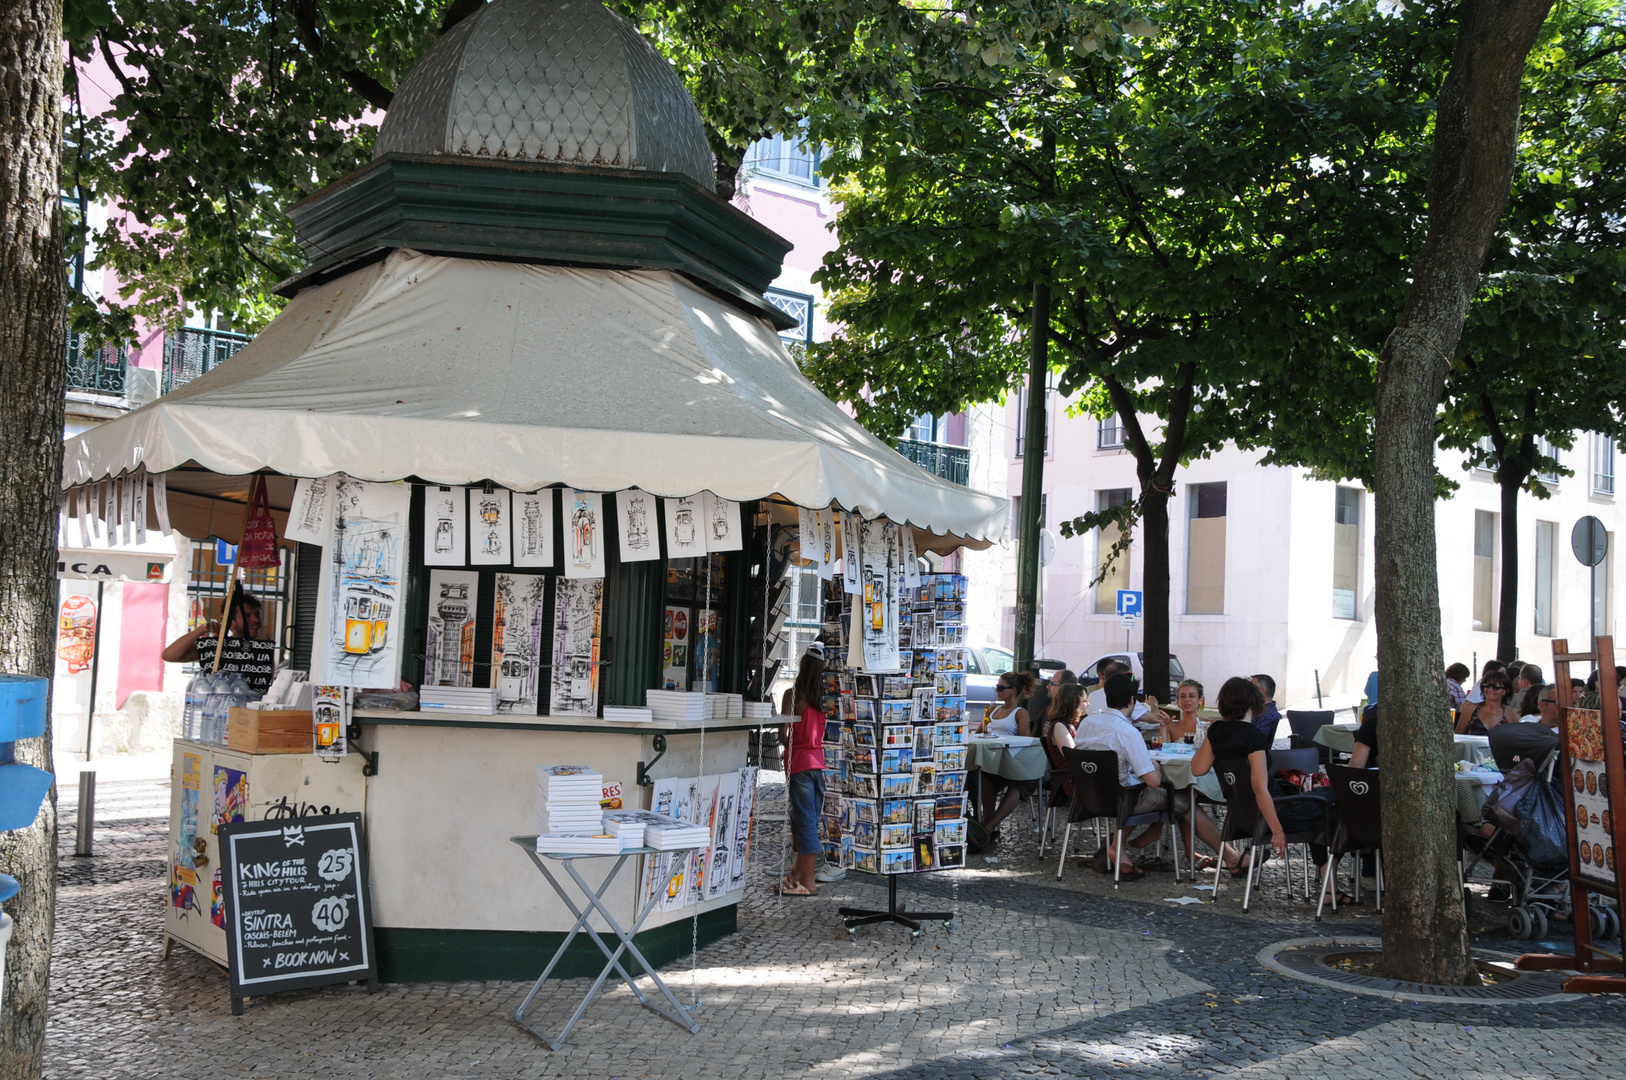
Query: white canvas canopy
x=460 y=371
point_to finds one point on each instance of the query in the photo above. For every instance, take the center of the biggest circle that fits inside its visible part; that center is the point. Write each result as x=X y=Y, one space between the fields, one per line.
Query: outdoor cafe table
x=1010 y=756
x=1340 y=738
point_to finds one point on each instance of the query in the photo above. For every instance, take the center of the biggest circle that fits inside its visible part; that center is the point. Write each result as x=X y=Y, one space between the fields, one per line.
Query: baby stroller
x=1530 y=850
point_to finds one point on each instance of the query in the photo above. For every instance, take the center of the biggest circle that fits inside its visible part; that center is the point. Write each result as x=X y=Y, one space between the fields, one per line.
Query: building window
x=1022 y=416
x=1546 y=448
x=924 y=429
x=1106 y=590
x=785 y=159
x=1205 y=550
x=798 y=306
x=1603 y=465
x=1346 y=551
x=1110 y=434
x=1546 y=543
x=1602 y=594
x=1487 y=455
x=1016 y=514
x=1484 y=570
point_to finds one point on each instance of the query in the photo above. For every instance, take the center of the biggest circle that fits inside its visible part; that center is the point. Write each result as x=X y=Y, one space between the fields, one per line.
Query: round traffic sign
x=1590 y=541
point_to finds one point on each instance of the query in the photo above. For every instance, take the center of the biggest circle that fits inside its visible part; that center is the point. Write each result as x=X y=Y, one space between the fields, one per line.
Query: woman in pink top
x=805 y=775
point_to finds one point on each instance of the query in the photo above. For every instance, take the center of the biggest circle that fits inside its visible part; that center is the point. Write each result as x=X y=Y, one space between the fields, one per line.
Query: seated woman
x=1477 y=718
x=1188 y=699
x=1056 y=733
x=1233 y=737
x=1008 y=718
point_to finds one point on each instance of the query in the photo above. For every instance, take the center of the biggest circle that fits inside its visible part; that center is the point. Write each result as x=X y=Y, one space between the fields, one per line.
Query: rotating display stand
x=856 y=917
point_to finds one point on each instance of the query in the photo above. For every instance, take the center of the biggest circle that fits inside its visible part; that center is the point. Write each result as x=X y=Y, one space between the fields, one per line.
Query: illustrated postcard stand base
x=856 y=917
x=595 y=902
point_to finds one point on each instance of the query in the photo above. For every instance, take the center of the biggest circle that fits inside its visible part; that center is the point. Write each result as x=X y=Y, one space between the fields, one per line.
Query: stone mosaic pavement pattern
x=1040 y=979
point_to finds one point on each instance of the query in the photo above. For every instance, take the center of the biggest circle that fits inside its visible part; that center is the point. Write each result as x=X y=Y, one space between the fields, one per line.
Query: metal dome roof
x=549 y=80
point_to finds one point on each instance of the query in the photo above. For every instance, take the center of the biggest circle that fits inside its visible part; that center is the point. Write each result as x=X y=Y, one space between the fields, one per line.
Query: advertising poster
x=675 y=650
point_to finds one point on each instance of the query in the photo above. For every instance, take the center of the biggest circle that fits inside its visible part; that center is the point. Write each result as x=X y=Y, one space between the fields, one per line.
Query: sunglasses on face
x=1498 y=687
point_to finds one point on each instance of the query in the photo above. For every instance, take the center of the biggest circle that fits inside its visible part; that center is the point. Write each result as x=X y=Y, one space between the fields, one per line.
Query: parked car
x=984 y=665
x=1136 y=661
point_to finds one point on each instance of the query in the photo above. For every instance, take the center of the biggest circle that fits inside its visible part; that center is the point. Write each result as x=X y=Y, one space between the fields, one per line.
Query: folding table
x=595 y=902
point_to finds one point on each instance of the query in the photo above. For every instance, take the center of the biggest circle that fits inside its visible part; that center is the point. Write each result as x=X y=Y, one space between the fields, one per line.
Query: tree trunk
x=1155 y=599
x=1425 y=935
x=1507 y=612
x=1027 y=544
x=33 y=376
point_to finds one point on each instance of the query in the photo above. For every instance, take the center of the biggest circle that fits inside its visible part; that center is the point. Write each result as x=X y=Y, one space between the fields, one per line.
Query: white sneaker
x=829 y=872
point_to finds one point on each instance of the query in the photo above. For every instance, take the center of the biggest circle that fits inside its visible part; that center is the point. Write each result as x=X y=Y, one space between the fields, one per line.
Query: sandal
x=1205 y=863
x=1346 y=900
x=1240 y=870
x=1130 y=875
x=787 y=887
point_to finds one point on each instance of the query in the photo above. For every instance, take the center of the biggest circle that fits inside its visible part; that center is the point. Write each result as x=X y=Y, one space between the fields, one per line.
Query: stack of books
x=568 y=800
x=578 y=844
x=734 y=706
x=757 y=710
x=678 y=706
x=628 y=714
x=674 y=835
x=632 y=825
x=462 y=699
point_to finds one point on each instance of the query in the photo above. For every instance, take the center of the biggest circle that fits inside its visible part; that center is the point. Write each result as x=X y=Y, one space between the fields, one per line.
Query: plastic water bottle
x=214 y=710
x=191 y=725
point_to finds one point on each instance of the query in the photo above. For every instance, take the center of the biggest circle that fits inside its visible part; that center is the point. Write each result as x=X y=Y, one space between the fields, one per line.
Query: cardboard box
x=270 y=731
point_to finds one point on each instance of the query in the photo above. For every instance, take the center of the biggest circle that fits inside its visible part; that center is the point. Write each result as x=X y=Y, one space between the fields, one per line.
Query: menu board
x=1589 y=794
x=297 y=909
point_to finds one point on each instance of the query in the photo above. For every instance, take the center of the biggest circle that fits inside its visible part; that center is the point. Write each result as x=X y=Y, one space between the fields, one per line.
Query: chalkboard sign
x=297 y=909
x=256 y=660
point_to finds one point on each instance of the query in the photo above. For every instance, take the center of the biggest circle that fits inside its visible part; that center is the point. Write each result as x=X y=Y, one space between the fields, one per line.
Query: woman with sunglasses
x=1007 y=718
x=1477 y=718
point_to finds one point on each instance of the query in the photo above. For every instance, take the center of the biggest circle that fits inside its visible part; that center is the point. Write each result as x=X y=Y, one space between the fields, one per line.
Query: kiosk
x=533 y=297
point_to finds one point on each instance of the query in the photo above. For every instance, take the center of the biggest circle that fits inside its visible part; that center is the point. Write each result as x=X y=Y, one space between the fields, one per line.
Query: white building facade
x=1271 y=571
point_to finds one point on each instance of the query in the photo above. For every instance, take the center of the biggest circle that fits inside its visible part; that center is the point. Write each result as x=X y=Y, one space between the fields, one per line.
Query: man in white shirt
x=1098 y=697
x=1110 y=729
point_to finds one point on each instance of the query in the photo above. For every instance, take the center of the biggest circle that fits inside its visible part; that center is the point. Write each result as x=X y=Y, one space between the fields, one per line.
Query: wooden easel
x=1601 y=973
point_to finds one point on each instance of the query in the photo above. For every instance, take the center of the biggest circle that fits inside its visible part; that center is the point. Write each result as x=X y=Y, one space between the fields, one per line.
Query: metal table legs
x=595 y=902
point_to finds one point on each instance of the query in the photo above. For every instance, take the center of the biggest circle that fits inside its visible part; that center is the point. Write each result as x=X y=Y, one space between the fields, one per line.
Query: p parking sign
x=1129 y=603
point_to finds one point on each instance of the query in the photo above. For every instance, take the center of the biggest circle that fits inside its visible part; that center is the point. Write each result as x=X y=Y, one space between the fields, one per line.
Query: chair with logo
x=1243 y=821
x=1358 y=795
x=1097 y=794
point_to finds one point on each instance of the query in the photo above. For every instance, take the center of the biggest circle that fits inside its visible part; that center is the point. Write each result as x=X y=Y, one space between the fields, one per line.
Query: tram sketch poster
x=298 y=913
x=359 y=604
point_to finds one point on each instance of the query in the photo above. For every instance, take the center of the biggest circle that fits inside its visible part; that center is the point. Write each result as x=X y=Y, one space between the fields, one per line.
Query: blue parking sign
x=1129 y=602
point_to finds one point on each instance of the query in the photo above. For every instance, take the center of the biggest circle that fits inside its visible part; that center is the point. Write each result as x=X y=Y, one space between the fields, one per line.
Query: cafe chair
x=1243 y=821
x=1051 y=798
x=1305 y=725
x=1358 y=796
x=1097 y=794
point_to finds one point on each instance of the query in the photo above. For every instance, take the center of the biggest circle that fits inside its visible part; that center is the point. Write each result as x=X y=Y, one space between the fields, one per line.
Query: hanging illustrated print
x=126 y=499
x=722 y=517
x=584 y=534
x=807 y=535
x=516 y=640
x=330 y=719
x=160 y=503
x=533 y=528
x=911 y=561
x=852 y=574
x=743 y=820
x=358 y=610
x=443 y=524
x=720 y=867
x=453 y=612
x=488 y=527
x=878 y=557
x=307 y=517
x=706 y=812
x=138 y=507
x=824 y=522
x=685 y=528
x=576 y=611
x=635 y=513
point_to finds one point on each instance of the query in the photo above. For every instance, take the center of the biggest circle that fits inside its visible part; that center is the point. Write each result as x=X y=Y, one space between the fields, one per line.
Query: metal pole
x=95 y=665
x=1318 y=687
x=85 y=832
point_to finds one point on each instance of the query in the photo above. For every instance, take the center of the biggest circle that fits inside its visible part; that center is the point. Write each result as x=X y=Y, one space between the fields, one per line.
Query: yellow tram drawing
x=366 y=619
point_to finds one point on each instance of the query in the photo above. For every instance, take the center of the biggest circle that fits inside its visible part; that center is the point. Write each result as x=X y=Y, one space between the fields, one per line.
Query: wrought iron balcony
x=189 y=352
x=952 y=463
x=99 y=371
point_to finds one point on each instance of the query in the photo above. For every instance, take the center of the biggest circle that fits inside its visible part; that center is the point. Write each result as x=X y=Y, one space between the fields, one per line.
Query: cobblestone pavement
x=1038 y=979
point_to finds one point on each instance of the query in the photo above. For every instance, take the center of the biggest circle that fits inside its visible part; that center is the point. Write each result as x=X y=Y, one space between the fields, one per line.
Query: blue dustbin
x=23 y=788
